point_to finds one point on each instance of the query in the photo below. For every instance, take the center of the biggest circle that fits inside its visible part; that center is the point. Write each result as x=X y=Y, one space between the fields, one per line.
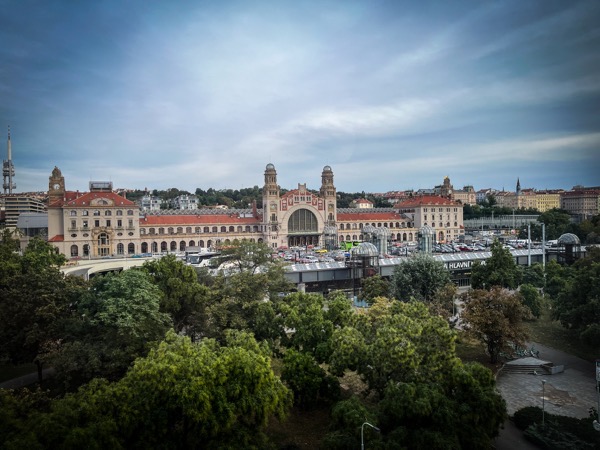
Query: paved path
x=26 y=380
x=569 y=393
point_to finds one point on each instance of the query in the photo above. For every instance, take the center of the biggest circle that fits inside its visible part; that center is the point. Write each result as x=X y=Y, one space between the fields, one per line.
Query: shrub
x=525 y=417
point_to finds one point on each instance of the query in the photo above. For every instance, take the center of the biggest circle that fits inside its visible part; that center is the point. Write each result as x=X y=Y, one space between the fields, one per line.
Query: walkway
x=569 y=393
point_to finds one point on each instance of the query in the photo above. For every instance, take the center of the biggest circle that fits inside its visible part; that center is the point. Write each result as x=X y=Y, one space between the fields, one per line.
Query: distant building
x=361 y=203
x=184 y=201
x=582 y=202
x=548 y=199
x=443 y=215
x=466 y=195
x=15 y=204
x=150 y=203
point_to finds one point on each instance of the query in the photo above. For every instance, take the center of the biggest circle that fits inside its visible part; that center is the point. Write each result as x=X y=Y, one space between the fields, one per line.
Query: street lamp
x=543 y=401
x=362 y=428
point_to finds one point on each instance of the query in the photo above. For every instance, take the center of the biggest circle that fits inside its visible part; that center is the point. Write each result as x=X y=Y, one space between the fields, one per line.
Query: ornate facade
x=101 y=223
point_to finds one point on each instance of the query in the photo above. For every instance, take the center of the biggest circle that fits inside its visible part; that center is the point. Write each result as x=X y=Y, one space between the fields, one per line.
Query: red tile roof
x=57 y=238
x=86 y=198
x=370 y=215
x=201 y=219
x=425 y=200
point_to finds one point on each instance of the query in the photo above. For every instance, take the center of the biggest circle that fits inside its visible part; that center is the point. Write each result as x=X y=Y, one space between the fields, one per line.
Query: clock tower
x=56 y=186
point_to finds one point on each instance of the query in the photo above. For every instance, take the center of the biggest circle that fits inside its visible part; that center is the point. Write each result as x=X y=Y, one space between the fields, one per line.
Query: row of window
x=85 y=223
x=439 y=209
x=198 y=230
x=441 y=217
x=360 y=226
x=97 y=212
x=441 y=225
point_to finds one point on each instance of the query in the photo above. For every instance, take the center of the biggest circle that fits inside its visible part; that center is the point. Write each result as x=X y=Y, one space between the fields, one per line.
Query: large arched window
x=303 y=220
x=120 y=248
x=74 y=250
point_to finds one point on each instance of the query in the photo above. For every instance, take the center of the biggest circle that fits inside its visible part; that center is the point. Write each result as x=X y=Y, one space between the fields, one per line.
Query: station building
x=101 y=223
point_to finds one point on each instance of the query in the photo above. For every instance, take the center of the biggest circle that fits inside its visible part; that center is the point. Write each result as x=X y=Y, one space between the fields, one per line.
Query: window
x=96 y=212
x=130 y=223
x=73 y=224
x=119 y=212
x=188 y=230
x=73 y=213
x=130 y=212
x=85 y=223
x=171 y=230
x=96 y=223
x=85 y=212
x=108 y=212
x=304 y=220
x=215 y=230
x=74 y=250
x=161 y=231
x=206 y=230
x=108 y=222
x=119 y=223
x=223 y=229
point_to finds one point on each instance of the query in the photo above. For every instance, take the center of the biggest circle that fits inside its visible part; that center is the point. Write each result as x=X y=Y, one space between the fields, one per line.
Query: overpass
x=339 y=275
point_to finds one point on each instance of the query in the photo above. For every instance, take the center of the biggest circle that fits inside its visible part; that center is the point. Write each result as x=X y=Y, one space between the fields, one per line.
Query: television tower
x=8 y=170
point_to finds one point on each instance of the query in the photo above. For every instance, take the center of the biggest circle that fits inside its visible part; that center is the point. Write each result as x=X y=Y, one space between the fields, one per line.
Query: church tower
x=329 y=195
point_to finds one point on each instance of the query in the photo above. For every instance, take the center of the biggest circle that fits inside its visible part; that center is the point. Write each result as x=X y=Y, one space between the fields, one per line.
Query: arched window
x=171 y=230
x=74 y=250
x=223 y=229
x=120 y=248
x=131 y=248
x=239 y=229
x=180 y=230
x=86 y=249
x=173 y=246
x=130 y=212
x=192 y=243
x=154 y=247
x=108 y=212
x=188 y=230
x=206 y=230
x=103 y=244
x=151 y=231
x=215 y=229
x=163 y=246
x=201 y=243
x=161 y=231
x=73 y=212
x=303 y=220
x=232 y=229
x=144 y=247
x=182 y=246
x=119 y=212
x=96 y=212
x=247 y=229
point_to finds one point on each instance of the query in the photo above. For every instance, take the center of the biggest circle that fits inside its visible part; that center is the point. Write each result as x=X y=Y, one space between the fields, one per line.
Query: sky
x=393 y=95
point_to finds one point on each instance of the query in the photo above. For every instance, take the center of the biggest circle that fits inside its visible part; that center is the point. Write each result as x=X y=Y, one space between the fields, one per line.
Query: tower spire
x=8 y=169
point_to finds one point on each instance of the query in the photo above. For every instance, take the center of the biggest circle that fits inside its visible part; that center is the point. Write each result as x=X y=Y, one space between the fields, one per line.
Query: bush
x=555 y=437
x=525 y=417
x=591 y=335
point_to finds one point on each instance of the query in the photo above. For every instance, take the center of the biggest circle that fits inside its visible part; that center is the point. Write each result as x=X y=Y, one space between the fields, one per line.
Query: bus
x=347 y=245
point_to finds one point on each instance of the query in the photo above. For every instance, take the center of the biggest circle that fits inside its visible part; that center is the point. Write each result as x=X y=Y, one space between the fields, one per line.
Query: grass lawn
x=552 y=334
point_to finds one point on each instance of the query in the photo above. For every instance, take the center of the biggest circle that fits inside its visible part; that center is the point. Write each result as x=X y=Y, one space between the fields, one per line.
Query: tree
x=498 y=270
x=182 y=395
x=419 y=277
x=305 y=377
x=495 y=317
x=184 y=298
x=375 y=286
x=577 y=303
x=532 y=299
x=34 y=297
x=110 y=326
x=534 y=275
x=248 y=256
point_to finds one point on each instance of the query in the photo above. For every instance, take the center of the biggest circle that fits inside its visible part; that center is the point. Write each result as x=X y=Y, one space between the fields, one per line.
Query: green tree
x=495 y=318
x=110 y=326
x=184 y=298
x=419 y=277
x=534 y=275
x=303 y=376
x=249 y=256
x=34 y=297
x=375 y=286
x=182 y=395
x=532 y=299
x=577 y=304
x=498 y=270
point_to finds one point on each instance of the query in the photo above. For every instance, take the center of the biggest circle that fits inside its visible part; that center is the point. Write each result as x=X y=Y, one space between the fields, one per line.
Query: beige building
x=582 y=202
x=548 y=199
x=101 y=223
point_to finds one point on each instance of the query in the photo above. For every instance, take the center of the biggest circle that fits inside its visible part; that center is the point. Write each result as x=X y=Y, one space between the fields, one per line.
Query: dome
x=270 y=167
x=329 y=229
x=382 y=232
x=569 y=239
x=368 y=229
x=426 y=230
x=365 y=249
x=327 y=169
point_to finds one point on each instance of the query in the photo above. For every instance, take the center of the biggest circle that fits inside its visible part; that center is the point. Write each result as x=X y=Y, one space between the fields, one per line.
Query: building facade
x=101 y=223
x=581 y=202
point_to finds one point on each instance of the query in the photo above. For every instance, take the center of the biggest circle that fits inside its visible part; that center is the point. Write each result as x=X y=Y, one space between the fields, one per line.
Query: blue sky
x=391 y=94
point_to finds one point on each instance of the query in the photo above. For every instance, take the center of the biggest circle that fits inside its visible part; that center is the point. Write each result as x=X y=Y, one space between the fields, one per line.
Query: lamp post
x=543 y=401
x=362 y=428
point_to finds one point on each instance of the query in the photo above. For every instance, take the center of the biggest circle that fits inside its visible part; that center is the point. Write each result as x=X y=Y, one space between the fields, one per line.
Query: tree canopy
x=420 y=277
x=500 y=270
